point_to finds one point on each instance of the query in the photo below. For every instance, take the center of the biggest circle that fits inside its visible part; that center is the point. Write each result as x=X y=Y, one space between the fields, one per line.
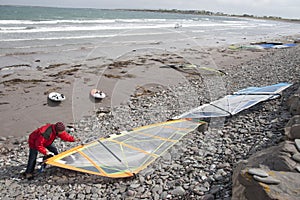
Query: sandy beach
x=26 y=85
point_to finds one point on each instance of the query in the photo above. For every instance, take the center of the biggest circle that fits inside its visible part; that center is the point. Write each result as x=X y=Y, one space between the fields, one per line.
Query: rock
x=208 y=197
x=134 y=185
x=294 y=103
x=251 y=189
x=131 y=193
x=212 y=167
x=157 y=189
x=258 y=172
x=296 y=157
x=155 y=196
x=267 y=180
x=275 y=158
x=297 y=143
x=292 y=129
x=203 y=127
x=298 y=168
x=164 y=195
x=80 y=196
x=178 y=191
x=282 y=168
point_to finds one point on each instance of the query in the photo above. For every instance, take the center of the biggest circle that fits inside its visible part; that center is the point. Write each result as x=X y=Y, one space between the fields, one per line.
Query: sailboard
x=125 y=154
x=55 y=96
x=97 y=94
x=235 y=103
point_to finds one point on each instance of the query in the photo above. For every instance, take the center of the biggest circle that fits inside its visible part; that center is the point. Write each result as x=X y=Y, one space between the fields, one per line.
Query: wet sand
x=27 y=79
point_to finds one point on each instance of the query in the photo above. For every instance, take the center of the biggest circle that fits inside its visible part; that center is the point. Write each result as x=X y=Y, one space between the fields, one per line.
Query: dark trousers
x=33 y=155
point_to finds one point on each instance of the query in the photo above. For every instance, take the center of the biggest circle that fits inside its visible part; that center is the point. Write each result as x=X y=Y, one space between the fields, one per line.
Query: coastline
x=151 y=69
x=200 y=164
x=218 y=14
x=24 y=101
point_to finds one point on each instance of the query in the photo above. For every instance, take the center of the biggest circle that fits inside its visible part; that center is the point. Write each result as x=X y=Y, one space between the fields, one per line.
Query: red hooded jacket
x=44 y=136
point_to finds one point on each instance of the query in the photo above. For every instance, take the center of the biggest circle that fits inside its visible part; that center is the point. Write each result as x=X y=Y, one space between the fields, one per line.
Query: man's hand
x=49 y=155
x=77 y=140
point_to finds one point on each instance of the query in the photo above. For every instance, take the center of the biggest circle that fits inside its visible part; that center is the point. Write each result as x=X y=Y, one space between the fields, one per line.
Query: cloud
x=244 y=4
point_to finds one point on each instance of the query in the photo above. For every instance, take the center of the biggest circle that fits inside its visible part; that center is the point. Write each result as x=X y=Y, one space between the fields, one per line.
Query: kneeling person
x=41 y=140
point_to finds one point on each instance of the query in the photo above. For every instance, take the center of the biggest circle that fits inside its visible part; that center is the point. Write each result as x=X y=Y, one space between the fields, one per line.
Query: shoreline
x=200 y=164
x=24 y=97
x=24 y=93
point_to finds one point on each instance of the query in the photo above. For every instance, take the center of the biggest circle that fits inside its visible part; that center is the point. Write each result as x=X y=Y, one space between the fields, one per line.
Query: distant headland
x=204 y=12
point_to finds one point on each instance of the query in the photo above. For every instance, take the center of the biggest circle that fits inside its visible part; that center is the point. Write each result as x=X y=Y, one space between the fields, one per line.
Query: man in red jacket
x=41 y=140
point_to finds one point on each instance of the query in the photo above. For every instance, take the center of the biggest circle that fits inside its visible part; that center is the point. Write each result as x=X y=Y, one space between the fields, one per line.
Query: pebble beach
x=199 y=166
x=152 y=67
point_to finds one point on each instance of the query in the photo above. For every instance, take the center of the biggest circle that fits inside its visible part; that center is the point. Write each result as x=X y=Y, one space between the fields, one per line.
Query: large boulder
x=282 y=181
x=287 y=187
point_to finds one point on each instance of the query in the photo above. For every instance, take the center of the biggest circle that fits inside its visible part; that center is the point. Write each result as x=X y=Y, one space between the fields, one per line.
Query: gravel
x=199 y=166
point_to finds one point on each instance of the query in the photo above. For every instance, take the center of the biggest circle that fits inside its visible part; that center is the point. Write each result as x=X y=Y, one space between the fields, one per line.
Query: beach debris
x=185 y=67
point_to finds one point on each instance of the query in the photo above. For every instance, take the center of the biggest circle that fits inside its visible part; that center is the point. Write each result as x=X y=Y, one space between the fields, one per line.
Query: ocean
x=41 y=30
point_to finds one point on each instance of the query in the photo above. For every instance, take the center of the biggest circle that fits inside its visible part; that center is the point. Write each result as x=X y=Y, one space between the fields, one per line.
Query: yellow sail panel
x=126 y=154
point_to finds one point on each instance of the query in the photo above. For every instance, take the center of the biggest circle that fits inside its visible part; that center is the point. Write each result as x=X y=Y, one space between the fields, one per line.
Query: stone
x=130 y=193
x=298 y=168
x=284 y=186
x=157 y=189
x=296 y=157
x=134 y=185
x=178 y=191
x=258 y=172
x=294 y=104
x=208 y=197
x=267 y=180
x=274 y=158
x=297 y=143
x=292 y=129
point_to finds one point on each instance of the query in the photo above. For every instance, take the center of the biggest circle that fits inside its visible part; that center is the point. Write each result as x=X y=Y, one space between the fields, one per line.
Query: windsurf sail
x=263 y=46
x=235 y=103
x=270 y=89
x=125 y=154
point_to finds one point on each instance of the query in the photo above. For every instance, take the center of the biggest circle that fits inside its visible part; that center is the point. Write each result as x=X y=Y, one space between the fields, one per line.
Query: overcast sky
x=280 y=8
